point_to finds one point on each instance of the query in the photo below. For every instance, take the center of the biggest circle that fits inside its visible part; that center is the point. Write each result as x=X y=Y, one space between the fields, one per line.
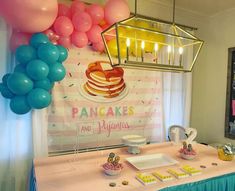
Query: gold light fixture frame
x=178 y=37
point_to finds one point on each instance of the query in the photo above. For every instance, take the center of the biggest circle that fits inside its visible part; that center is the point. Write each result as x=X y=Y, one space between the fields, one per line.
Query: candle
x=128 y=43
x=142 y=50
x=181 y=50
x=155 y=52
x=169 y=52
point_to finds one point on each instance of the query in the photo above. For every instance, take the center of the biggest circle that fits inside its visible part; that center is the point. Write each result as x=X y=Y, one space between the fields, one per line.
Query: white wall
x=210 y=78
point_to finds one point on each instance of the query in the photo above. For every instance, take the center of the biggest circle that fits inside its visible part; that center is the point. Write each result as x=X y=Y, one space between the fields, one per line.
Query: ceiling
x=202 y=7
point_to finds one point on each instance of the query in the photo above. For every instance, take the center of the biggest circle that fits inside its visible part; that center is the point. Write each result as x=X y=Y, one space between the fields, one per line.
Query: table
x=83 y=171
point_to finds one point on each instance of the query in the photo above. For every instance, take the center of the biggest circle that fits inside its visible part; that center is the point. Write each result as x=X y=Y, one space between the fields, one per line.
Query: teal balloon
x=4 y=79
x=57 y=72
x=20 y=68
x=25 y=53
x=37 y=70
x=39 y=98
x=48 y=53
x=45 y=84
x=6 y=93
x=19 y=105
x=19 y=83
x=63 y=52
x=38 y=39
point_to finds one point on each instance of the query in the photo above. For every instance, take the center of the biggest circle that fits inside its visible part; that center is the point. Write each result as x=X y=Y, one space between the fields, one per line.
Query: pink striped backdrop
x=77 y=120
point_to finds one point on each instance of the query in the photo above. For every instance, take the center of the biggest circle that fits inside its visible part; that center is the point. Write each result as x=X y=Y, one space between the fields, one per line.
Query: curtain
x=177 y=93
x=39 y=125
x=15 y=132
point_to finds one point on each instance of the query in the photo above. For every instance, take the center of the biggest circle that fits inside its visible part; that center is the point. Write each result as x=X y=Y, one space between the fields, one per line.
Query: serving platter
x=151 y=161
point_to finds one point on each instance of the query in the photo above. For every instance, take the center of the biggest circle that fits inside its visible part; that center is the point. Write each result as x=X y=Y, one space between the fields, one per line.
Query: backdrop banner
x=95 y=105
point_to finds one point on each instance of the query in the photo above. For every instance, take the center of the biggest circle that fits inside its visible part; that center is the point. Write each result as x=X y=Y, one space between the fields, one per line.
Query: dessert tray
x=151 y=161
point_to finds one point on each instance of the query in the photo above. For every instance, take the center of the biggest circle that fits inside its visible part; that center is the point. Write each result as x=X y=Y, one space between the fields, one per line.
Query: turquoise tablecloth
x=220 y=183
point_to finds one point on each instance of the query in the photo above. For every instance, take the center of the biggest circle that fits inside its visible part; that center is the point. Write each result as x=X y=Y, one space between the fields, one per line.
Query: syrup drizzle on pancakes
x=104 y=80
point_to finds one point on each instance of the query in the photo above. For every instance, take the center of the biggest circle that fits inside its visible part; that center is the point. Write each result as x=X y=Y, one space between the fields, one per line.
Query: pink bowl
x=187 y=157
x=112 y=172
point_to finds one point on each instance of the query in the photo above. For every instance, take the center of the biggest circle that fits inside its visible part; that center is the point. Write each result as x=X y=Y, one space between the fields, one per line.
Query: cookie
x=112 y=184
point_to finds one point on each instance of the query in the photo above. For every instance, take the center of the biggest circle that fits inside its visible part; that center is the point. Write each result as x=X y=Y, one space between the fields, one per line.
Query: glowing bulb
x=142 y=44
x=128 y=42
x=169 y=49
x=181 y=50
x=156 y=47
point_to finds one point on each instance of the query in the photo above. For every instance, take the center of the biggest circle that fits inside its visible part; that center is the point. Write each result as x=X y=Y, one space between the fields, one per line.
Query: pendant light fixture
x=146 y=43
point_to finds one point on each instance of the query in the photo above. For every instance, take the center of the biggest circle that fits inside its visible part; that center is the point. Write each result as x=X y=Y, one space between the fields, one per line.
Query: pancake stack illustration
x=104 y=80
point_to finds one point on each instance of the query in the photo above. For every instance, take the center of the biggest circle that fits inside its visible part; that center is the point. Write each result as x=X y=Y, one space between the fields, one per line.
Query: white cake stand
x=134 y=142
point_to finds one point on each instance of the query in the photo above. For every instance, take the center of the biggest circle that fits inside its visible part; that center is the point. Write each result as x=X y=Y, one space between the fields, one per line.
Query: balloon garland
x=78 y=24
x=40 y=55
x=40 y=65
x=81 y=25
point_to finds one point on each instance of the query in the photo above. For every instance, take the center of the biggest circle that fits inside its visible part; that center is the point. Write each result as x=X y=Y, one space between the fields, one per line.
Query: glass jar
x=224 y=156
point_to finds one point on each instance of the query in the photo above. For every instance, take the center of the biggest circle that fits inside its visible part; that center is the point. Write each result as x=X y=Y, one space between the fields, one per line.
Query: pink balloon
x=94 y=34
x=82 y=21
x=29 y=15
x=99 y=47
x=52 y=36
x=65 y=41
x=63 y=26
x=50 y=33
x=55 y=37
x=19 y=38
x=96 y=12
x=64 y=10
x=105 y=26
x=2 y=11
x=79 y=39
x=77 y=7
x=116 y=10
x=54 y=42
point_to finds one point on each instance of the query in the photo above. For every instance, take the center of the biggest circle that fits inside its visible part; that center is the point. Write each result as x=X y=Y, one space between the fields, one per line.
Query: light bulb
x=169 y=49
x=142 y=44
x=156 y=47
x=128 y=42
x=181 y=50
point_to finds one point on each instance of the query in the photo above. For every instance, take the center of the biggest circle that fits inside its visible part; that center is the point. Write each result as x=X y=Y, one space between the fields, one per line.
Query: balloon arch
x=42 y=30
